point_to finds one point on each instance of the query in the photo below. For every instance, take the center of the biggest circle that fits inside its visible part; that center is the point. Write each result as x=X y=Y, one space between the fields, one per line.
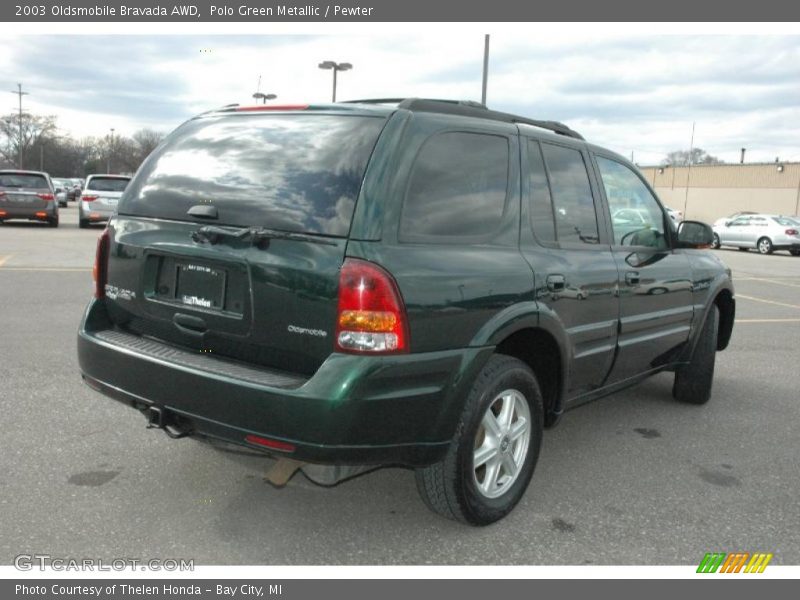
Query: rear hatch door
x=106 y=191
x=231 y=236
x=23 y=190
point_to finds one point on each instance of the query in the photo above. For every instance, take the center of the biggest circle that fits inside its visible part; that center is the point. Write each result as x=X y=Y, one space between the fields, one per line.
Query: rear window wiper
x=258 y=235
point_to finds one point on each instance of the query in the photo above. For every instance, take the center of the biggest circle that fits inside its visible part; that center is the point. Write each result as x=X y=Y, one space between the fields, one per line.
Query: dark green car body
x=589 y=316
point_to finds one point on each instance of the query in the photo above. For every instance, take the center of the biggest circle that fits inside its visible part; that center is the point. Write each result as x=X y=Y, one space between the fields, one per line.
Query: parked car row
x=34 y=196
x=766 y=233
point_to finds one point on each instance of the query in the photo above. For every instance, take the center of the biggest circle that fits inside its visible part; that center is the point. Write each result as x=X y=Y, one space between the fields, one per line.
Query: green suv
x=411 y=282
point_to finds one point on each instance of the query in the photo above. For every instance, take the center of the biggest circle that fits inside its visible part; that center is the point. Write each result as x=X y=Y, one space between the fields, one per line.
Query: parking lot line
x=797 y=285
x=767 y=321
x=4 y=258
x=768 y=301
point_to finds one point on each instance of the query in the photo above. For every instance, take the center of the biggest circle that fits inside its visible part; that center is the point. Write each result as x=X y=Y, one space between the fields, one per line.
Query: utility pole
x=110 y=151
x=485 y=68
x=688 y=172
x=20 y=93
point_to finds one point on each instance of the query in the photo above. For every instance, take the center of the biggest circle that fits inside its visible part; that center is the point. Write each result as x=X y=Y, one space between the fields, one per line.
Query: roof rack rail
x=403 y=101
x=470 y=108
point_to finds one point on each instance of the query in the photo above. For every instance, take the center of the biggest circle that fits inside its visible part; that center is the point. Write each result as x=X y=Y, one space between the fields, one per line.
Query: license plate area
x=200 y=286
x=219 y=289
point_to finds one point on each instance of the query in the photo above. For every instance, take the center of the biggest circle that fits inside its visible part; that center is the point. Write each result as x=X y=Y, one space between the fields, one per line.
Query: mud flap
x=282 y=471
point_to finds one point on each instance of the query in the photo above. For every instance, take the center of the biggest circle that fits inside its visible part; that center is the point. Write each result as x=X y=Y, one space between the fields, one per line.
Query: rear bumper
x=11 y=211
x=95 y=213
x=354 y=410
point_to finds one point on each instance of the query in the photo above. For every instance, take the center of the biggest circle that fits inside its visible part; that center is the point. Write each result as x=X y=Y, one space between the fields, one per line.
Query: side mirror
x=728 y=223
x=694 y=234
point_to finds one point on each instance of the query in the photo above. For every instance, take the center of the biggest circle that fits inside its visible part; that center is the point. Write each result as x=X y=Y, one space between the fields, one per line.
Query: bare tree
x=35 y=130
x=697 y=156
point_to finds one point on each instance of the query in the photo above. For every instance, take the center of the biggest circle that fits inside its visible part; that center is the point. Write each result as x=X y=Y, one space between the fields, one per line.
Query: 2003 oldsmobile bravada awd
x=419 y=283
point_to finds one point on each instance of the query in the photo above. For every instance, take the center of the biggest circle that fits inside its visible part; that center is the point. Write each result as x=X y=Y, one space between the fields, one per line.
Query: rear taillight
x=100 y=270
x=269 y=443
x=89 y=197
x=48 y=197
x=791 y=232
x=371 y=317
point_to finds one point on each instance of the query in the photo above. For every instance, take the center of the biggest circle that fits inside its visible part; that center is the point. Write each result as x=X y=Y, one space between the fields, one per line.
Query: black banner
x=333 y=589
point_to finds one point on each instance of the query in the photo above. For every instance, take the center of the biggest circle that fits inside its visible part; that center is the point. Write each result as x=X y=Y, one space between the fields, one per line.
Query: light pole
x=264 y=97
x=110 y=150
x=329 y=64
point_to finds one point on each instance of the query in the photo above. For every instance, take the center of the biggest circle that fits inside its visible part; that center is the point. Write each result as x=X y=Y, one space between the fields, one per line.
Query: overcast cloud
x=632 y=94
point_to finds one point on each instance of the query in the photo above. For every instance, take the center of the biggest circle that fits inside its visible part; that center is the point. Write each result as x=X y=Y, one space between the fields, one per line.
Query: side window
x=575 y=216
x=636 y=217
x=740 y=222
x=542 y=213
x=458 y=187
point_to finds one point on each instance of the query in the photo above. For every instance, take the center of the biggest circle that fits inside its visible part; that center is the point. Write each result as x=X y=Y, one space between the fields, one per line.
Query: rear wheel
x=765 y=245
x=693 y=381
x=53 y=222
x=794 y=252
x=83 y=223
x=491 y=459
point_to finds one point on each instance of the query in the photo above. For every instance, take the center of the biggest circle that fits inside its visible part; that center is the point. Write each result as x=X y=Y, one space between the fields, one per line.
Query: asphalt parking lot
x=632 y=479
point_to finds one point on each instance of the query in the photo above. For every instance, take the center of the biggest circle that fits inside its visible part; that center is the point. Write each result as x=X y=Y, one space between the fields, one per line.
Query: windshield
x=298 y=172
x=107 y=184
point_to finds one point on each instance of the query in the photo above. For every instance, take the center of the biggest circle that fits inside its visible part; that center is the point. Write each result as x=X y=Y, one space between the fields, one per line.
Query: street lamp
x=329 y=64
x=264 y=97
x=110 y=150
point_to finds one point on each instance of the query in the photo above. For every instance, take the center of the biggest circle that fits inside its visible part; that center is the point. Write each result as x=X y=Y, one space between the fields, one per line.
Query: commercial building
x=708 y=192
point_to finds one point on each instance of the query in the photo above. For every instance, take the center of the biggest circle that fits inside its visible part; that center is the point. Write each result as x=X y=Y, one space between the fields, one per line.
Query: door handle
x=556 y=283
x=632 y=278
x=194 y=326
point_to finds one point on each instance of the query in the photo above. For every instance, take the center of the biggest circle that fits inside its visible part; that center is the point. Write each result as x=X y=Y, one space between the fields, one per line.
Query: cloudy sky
x=630 y=93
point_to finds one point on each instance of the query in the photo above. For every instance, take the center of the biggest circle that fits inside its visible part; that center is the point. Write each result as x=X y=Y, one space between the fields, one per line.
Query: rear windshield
x=290 y=172
x=107 y=184
x=23 y=180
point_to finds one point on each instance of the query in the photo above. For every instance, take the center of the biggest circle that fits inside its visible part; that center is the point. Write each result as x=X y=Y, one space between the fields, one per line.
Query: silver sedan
x=766 y=233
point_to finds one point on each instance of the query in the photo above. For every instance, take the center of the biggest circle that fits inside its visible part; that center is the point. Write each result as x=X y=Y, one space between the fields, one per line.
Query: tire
x=765 y=245
x=53 y=222
x=693 y=381
x=715 y=244
x=794 y=252
x=83 y=223
x=455 y=489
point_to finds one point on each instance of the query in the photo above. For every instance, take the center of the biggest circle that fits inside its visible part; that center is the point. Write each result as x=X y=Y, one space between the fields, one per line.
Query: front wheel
x=765 y=245
x=492 y=456
x=715 y=243
x=693 y=381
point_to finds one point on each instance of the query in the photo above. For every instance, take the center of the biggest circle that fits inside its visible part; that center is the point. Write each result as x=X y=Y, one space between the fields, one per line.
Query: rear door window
x=457 y=189
x=297 y=173
x=575 y=216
